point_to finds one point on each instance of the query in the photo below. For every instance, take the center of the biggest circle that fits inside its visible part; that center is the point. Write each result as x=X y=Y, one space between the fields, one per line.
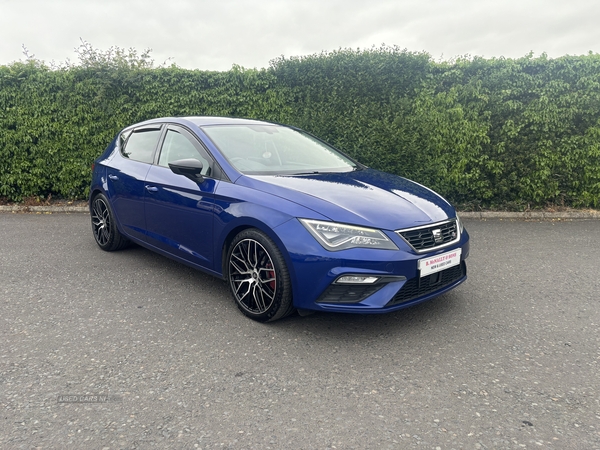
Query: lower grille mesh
x=415 y=287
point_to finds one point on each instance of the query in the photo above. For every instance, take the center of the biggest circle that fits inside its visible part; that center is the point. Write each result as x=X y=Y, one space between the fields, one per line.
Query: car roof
x=207 y=120
x=201 y=121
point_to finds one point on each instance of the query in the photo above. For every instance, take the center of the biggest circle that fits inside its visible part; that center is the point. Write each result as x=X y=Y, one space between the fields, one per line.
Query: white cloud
x=213 y=35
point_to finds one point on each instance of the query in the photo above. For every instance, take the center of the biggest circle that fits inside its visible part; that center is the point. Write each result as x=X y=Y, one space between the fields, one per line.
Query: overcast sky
x=215 y=34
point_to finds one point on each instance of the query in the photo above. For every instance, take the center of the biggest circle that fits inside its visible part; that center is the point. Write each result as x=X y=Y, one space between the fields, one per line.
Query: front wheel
x=258 y=277
x=107 y=235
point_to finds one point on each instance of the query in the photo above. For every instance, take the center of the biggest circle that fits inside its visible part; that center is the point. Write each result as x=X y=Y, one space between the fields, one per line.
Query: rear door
x=126 y=175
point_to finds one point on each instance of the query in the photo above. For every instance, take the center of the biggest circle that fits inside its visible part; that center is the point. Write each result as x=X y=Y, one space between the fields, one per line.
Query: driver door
x=179 y=211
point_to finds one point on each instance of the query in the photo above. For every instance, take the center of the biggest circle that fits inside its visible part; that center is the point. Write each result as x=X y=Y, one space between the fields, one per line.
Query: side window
x=179 y=146
x=141 y=144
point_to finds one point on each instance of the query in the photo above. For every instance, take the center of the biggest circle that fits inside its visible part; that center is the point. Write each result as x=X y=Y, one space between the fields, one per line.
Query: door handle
x=113 y=177
x=151 y=188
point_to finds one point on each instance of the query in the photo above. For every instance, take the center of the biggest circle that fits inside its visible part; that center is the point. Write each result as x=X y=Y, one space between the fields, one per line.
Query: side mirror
x=190 y=168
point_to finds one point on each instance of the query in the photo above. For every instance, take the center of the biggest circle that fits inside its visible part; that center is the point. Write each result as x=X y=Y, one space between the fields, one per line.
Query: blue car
x=288 y=221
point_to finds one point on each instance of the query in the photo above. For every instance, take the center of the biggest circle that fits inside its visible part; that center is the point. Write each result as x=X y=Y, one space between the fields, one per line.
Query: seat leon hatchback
x=288 y=221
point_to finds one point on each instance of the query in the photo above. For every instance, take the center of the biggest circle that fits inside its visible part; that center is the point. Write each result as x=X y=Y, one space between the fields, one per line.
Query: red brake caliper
x=271 y=274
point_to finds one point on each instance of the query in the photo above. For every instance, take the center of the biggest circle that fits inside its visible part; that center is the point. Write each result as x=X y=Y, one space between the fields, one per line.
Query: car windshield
x=276 y=150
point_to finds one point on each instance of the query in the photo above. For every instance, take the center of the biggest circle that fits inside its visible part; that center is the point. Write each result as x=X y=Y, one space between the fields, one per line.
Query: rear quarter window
x=141 y=145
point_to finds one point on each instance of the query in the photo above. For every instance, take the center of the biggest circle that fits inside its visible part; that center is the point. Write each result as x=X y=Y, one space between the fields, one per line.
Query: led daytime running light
x=335 y=236
x=356 y=279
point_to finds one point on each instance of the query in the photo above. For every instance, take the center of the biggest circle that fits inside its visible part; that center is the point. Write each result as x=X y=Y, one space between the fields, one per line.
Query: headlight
x=336 y=236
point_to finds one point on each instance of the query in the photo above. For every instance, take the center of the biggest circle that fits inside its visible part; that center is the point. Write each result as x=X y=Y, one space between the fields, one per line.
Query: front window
x=273 y=150
x=177 y=146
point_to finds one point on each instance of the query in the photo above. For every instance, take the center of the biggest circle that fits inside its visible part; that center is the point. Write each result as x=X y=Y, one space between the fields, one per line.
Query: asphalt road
x=510 y=359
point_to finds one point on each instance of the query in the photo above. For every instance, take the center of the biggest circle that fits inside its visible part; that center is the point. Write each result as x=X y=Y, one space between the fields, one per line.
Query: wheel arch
x=93 y=193
x=248 y=223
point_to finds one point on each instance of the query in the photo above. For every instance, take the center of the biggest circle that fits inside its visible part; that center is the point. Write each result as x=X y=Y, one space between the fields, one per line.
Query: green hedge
x=483 y=132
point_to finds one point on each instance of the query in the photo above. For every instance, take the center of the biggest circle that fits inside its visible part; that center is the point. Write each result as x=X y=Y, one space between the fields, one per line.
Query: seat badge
x=437 y=235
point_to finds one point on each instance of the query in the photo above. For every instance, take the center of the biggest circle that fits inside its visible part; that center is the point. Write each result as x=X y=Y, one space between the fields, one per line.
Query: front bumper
x=315 y=270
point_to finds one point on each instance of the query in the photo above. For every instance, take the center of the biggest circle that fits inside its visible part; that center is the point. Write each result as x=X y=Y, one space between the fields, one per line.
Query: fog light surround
x=355 y=287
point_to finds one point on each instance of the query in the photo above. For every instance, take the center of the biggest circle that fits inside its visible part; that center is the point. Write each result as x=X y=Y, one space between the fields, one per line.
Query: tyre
x=258 y=277
x=105 y=230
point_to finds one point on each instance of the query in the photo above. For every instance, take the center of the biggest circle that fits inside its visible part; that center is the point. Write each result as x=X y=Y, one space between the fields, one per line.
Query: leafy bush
x=484 y=133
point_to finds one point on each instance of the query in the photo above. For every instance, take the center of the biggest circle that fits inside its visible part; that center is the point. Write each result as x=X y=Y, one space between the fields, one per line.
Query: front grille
x=348 y=293
x=423 y=238
x=418 y=287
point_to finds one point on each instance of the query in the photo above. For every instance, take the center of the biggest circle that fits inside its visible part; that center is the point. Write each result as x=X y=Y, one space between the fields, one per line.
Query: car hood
x=363 y=197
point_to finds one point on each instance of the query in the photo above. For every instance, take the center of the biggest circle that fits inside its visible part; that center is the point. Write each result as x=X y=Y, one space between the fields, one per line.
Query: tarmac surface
x=132 y=350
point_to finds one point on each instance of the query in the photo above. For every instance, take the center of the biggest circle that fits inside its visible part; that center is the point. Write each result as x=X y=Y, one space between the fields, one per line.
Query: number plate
x=427 y=266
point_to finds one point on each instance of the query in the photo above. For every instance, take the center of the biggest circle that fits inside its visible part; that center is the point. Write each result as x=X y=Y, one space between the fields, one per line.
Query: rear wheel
x=258 y=277
x=105 y=230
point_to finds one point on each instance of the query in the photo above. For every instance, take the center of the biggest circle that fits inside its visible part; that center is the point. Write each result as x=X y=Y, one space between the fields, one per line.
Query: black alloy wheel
x=105 y=230
x=258 y=277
